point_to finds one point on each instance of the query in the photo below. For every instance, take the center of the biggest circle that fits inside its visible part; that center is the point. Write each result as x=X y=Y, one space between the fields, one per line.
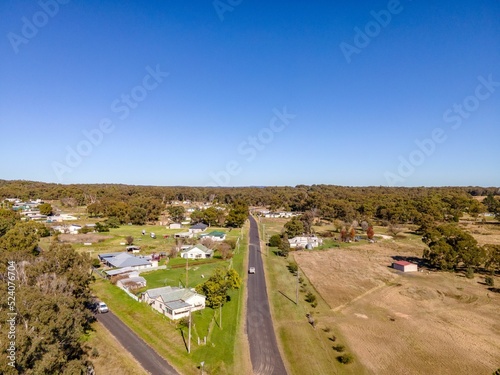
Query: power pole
x=187 y=261
x=220 y=316
x=297 y=290
x=189 y=334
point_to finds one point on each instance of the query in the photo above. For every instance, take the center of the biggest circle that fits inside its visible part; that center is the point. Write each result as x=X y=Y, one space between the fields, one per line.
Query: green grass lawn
x=148 y=245
x=177 y=276
x=167 y=337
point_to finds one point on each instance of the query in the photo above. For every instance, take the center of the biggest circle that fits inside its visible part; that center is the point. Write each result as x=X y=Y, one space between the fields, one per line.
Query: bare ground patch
x=83 y=238
x=419 y=323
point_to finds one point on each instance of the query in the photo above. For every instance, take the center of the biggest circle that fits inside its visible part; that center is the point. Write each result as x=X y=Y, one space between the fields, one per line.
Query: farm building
x=305 y=242
x=405 y=266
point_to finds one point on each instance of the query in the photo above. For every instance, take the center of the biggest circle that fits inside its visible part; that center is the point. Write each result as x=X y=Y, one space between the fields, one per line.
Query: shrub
x=314 y=304
x=275 y=240
x=310 y=297
x=338 y=348
x=94 y=353
x=345 y=359
x=96 y=263
x=489 y=281
x=470 y=273
x=112 y=222
x=100 y=227
x=85 y=230
x=293 y=267
x=332 y=338
x=129 y=240
x=327 y=329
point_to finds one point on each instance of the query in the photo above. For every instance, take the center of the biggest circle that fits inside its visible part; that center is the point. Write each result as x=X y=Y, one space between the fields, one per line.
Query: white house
x=197 y=252
x=405 y=266
x=174 y=302
x=214 y=236
x=198 y=228
x=306 y=242
x=175 y=226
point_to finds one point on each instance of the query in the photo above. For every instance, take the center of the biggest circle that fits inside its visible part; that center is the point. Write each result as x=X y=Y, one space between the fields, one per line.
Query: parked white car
x=102 y=307
x=251 y=270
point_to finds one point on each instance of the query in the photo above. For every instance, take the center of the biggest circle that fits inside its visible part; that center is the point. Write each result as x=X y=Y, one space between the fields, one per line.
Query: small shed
x=405 y=266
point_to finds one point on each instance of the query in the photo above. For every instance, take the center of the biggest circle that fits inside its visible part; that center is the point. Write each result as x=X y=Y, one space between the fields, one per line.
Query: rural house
x=198 y=228
x=197 y=252
x=214 y=236
x=120 y=260
x=174 y=302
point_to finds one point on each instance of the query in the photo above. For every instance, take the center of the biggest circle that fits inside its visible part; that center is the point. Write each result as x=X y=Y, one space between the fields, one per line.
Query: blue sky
x=254 y=93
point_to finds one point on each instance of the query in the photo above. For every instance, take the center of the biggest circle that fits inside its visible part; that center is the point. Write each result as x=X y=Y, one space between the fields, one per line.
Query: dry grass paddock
x=414 y=323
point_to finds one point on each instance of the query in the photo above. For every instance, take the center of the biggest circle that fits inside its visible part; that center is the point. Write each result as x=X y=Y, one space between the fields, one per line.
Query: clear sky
x=238 y=93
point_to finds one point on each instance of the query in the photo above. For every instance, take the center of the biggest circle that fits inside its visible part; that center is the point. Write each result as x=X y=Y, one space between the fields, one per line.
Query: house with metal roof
x=197 y=228
x=197 y=252
x=174 y=302
x=214 y=236
x=121 y=260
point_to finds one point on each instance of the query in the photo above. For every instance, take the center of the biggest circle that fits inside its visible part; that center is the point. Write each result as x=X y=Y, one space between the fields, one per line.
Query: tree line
x=50 y=301
x=139 y=204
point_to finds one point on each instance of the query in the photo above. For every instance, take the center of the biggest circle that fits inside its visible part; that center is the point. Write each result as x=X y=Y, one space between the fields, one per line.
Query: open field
x=484 y=233
x=394 y=323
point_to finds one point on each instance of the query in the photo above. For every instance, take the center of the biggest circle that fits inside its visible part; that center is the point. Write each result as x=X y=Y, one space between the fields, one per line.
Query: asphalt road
x=264 y=353
x=142 y=352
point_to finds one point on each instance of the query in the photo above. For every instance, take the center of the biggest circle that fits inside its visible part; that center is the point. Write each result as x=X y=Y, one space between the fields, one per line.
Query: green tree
x=237 y=214
x=138 y=215
x=177 y=213
x=275 y=240
x=197 y=216
x=491 y=203
x=210 y=216
x=216 y=288
x=294 y=227
x=45 y=209
x=112 y=222
x=54 y=298
x=95 y=209
x=284 y=246
x=22 y=239
x=492 y=256
x=101 y=227
x=8 y=219
x=451 y=247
